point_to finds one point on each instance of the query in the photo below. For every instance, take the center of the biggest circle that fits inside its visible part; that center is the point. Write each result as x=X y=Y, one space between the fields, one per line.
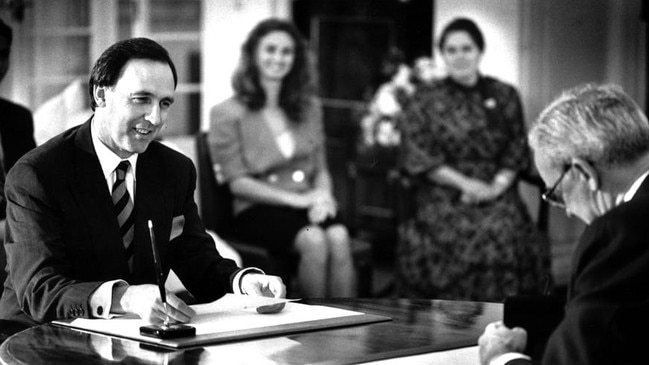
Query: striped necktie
x=124 y=209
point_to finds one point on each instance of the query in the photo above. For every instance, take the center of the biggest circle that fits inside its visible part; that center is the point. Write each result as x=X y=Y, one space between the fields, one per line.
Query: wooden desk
x=417 y=326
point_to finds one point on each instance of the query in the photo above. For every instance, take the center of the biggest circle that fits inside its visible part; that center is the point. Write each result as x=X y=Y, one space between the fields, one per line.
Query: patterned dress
x=452 y=250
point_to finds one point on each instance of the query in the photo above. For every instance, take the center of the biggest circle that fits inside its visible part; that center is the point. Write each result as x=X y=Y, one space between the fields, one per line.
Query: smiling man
x=591 y=147
x=78 y=243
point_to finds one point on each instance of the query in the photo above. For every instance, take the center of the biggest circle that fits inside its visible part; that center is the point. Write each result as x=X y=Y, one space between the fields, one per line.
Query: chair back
x=3 y=264
x=216 y=198
x=217 y=215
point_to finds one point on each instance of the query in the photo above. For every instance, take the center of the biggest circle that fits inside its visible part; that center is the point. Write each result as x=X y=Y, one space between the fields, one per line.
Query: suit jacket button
x=298 y=176
x=100 y=310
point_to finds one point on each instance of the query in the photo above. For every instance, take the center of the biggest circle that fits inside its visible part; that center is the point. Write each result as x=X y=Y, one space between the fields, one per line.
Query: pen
x=158 y=271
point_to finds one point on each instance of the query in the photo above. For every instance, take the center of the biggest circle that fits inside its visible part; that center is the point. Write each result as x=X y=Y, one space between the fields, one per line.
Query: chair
x=533 y=179
x=3 y=265
x=217 y=215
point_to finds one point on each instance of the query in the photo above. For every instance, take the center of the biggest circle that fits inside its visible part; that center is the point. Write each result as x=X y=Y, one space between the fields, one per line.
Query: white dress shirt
x=102 y=297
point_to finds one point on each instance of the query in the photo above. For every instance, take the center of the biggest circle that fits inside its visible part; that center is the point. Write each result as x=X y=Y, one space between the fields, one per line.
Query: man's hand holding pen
x=144 y=300
x=153 y=304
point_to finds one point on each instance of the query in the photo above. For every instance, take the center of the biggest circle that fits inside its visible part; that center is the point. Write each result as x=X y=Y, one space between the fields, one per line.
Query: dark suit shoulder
x=49 y=162
x=13 y=109
x=167 y=154
x=612 y=250
x=621 y=231
x=628 y=218
x=170 y=164
x=51 y=151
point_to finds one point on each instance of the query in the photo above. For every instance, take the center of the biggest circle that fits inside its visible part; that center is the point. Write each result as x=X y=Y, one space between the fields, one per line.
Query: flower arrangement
x=379 y=125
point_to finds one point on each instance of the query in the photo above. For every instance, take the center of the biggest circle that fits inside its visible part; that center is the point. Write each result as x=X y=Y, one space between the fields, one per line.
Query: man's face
x=133 y=112
x=572 y=188
x=5 y=49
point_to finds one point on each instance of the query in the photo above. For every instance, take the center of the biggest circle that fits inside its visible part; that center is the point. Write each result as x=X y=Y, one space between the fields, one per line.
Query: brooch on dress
x=490 y=103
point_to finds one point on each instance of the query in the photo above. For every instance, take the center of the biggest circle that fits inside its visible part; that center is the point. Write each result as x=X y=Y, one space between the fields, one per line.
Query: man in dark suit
x=16 y=124
x=16 y=134
x=591 y=146
x=78 y=208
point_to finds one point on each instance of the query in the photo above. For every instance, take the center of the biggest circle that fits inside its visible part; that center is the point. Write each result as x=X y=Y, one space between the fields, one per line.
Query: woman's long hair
x=298 y=86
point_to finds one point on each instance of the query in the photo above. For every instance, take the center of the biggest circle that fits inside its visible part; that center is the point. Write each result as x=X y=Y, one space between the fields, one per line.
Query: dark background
x=351 y=39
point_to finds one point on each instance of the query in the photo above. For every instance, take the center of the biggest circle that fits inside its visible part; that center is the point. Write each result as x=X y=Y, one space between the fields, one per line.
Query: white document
x=231 y=317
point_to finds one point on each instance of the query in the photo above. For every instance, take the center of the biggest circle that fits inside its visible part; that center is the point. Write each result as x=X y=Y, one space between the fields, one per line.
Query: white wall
x=225 y=26
x=626 y=56
x=544 y=46
x=499 y=21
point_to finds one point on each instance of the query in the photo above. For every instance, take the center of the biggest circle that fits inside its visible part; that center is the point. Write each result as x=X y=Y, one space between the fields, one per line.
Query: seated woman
x=268 y=141
x=471 y=236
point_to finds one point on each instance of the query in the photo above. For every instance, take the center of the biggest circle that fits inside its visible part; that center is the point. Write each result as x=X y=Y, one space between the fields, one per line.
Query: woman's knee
x=312 y=240
x=339 y=241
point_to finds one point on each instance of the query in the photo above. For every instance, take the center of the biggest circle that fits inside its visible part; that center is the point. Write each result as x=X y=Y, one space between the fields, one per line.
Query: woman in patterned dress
x=471 y=236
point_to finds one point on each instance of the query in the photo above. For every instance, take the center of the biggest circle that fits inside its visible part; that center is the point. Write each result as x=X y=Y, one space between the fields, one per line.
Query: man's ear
x=587 y=172
x=99 y=94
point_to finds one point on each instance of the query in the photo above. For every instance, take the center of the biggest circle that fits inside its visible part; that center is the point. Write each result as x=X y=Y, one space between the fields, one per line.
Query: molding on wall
x=626 y=46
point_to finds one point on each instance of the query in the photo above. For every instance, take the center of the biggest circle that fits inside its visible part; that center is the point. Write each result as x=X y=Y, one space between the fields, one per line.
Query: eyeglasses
x=550 y=195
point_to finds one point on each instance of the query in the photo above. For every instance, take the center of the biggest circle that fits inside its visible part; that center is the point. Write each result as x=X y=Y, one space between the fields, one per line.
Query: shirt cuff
x=102 y=298
x=504 y=358
x=236 y=283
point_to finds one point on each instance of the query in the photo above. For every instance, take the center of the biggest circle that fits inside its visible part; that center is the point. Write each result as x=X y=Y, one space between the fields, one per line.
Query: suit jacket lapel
x=149 y=205
x=90 y=189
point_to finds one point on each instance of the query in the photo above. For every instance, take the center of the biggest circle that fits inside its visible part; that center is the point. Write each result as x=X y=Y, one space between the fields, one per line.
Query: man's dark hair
x=110 y=65
x=6 y=32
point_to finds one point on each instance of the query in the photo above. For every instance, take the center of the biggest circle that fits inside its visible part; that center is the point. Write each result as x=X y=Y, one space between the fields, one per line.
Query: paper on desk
x=237 y=312
x=224 y=316
x=232 y=302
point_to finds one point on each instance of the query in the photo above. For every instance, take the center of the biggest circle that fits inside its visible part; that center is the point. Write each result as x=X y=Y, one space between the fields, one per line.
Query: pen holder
x=539 y=315
x=168 y=331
